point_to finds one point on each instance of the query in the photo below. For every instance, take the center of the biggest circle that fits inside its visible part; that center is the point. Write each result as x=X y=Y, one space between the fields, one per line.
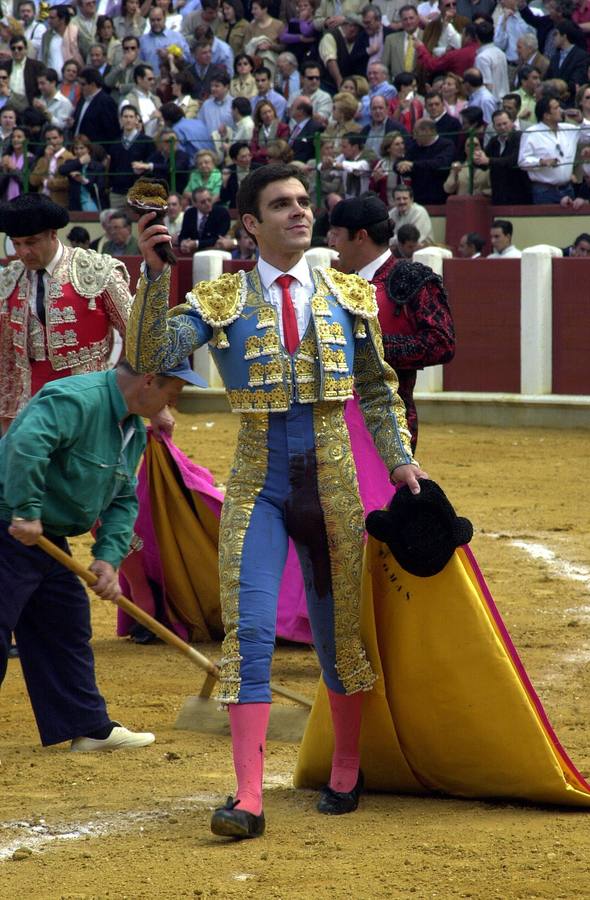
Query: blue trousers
x=548 y=193
x=48 y=610
x=293 y=477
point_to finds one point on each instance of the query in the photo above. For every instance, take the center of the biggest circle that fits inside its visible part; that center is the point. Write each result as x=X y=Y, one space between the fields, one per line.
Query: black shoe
x=336 y=803
x=228 y=821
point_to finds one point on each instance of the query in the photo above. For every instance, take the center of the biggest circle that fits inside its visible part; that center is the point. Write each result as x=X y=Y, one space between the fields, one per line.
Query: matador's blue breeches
x=293 y=476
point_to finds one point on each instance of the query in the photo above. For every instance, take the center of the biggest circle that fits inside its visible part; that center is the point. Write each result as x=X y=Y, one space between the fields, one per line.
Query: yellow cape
x=453 y=710
x=187 y=534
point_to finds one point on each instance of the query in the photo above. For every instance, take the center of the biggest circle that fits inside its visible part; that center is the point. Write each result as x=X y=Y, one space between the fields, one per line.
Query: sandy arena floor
x=135 y=825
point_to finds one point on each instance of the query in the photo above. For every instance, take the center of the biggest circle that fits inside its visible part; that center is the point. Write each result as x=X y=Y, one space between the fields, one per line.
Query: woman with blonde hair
x=280 y=152
x=357 y=85
x=454 y=99
x=343 y=122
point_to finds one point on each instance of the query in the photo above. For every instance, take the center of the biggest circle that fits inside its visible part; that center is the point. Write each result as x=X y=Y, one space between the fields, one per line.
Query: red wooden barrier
x=485 y=301
x=234 y=265
x=571 y=326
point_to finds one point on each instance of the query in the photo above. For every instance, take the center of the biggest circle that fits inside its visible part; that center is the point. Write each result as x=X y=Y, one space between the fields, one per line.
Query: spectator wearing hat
x=343 y=51
x=414 y=313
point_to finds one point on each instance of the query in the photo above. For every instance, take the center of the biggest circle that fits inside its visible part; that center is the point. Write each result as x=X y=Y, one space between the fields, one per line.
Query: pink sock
x=249 y=722
x=346 y=718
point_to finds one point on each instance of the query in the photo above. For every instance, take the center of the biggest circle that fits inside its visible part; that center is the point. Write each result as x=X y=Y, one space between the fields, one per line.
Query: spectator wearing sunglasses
x=548 y=151
x=444 y=32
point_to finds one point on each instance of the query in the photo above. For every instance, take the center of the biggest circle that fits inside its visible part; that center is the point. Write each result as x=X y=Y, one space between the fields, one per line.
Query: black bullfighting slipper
x=229 y=821
x=336 y=803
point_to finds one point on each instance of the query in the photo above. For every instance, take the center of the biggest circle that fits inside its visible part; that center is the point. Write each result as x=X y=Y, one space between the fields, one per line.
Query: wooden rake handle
x=158 y=629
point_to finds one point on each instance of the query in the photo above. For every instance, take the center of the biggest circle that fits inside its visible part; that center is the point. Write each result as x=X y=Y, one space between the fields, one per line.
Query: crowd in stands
x=413 y=102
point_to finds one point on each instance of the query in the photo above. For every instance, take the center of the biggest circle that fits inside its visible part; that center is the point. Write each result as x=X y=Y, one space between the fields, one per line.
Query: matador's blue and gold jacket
x=341 y=348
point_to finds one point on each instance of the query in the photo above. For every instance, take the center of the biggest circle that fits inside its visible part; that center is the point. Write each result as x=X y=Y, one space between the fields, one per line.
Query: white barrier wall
x=536 y=326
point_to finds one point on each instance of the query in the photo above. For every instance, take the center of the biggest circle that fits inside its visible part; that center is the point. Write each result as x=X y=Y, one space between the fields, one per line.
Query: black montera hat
x=421 y=530
x=31 y=214
x=359 y=212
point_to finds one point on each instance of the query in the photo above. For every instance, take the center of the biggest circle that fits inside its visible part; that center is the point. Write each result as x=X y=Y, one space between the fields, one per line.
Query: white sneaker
x=120 y=738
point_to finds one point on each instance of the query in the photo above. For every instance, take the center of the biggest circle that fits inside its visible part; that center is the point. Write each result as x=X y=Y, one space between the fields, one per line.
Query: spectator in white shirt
x=548 y=152
x=501 y=241
x=491 y=61
x=56 y=108
x=407 y=212
x=355 y=165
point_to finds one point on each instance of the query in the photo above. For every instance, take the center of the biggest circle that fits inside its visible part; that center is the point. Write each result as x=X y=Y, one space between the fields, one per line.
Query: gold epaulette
x=354 y=293
x=219 y=302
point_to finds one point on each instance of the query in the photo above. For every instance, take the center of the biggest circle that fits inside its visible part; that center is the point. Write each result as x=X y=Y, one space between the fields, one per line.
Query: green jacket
x=63 y=461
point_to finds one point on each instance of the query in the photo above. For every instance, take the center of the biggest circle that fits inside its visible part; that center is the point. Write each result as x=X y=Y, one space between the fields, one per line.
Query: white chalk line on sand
x=39 y=835
x=563 y=568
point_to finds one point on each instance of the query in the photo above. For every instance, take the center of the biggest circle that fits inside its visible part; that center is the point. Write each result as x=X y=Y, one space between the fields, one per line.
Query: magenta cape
x=179 y=510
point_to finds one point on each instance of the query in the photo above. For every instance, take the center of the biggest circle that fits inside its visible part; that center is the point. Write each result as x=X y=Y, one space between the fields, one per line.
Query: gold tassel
x=360 y=330
x=221 y=341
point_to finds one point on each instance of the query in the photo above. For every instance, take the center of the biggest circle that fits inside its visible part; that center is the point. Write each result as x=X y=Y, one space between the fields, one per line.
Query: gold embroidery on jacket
x=245 y=484
x=344 y=521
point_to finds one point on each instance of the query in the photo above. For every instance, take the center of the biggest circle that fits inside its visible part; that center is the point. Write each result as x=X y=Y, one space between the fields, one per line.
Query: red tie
x=290 y=330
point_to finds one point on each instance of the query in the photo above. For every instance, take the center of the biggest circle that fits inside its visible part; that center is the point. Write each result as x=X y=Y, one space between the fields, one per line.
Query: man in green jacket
x=68 y=460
